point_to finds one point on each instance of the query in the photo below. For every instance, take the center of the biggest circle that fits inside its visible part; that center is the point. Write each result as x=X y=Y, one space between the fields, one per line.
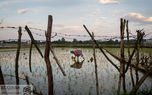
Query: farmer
x=77 y=53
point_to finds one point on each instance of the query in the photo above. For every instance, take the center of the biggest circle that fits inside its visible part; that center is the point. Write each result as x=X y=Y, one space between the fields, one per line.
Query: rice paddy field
x=78 y=81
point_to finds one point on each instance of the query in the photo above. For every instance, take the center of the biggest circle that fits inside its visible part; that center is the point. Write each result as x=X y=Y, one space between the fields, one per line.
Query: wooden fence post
x=123 y=56
x=137 y=57
x=17 y=55
x=128 y=43
x=95 y=63
x=46 y=56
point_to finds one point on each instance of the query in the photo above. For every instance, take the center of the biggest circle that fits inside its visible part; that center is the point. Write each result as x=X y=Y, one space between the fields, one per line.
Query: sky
x=100 y=16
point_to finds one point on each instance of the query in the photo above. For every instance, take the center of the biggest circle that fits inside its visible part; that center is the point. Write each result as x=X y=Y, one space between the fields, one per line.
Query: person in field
x=77 y=53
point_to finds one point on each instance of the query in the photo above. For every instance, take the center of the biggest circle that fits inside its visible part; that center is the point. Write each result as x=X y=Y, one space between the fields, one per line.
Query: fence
x=122 y=69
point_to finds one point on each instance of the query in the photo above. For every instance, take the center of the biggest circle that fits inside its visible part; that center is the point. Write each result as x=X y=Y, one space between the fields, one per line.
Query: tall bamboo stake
x=17 y=55
x=95 y=63
x=128 y=43
x=46 y=56
x=123 y=57
x=122 y=64
x=137 y=57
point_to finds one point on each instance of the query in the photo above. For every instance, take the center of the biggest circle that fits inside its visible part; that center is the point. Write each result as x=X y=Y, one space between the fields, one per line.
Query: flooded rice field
x=79 y=80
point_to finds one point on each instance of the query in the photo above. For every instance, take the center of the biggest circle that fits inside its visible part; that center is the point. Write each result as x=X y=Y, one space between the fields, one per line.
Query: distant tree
x=116 y=41
x=59 y=40
x=75 y=41
x=63 y=40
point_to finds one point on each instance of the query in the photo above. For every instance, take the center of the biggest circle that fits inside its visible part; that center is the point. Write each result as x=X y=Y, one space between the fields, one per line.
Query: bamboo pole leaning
x=100 y=48
x=56 y=59
x=33 y=41
x=128 y=43
x=95 y=63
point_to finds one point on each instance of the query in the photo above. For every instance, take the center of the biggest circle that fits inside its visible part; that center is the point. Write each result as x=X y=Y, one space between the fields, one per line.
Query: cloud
x=138 y=18
x=9 y=2
x=108 y=2
x=22 y=11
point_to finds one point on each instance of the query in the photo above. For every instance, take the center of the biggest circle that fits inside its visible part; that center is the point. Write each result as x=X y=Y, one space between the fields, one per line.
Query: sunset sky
x=100 y=16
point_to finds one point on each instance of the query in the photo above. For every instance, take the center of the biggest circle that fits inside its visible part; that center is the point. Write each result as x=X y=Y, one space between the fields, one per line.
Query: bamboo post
x=30 y=53
x=57 y=61
x=121 y=75
x=128 y=43
x=123 y=57
x=46 y=56
x=101 y=48
x=137 y=57
x=95 y=63
x=33 y=41
x=17 y=55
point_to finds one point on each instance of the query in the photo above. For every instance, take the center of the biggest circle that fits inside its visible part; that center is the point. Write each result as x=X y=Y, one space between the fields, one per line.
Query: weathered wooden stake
x=128 y=43
x=17 y=55
x=95 y=63
x=30 y=53
x=123 y=57
x=137 y=57
x=33 y=41
x=46 y=56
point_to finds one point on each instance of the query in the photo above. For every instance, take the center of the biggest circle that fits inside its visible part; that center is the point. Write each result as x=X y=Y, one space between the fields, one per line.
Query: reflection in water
x=77 y=64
